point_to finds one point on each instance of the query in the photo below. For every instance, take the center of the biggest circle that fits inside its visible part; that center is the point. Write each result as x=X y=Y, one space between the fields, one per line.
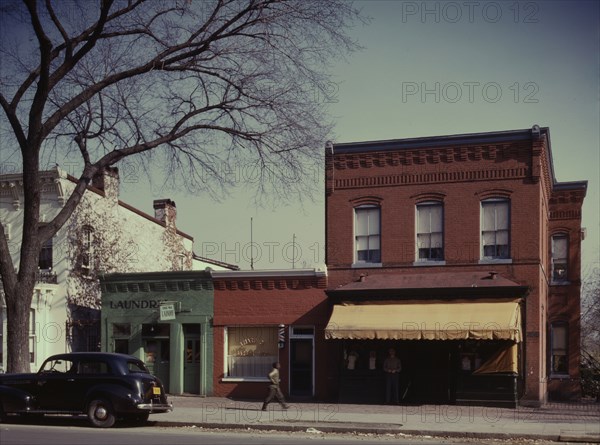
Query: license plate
x=156 y=390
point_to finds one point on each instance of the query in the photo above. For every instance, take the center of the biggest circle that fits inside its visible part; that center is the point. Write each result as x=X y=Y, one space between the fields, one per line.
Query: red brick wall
x=290 y=301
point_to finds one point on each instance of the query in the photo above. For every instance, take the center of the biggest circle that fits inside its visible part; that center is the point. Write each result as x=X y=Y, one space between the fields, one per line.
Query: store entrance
x=427 y=374
x=157 y=351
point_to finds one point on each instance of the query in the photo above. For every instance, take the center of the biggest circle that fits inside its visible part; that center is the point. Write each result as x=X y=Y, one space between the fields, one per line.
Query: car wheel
x=101 y=414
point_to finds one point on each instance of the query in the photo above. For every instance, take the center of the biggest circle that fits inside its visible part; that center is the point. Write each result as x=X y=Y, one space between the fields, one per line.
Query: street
x=67 y=431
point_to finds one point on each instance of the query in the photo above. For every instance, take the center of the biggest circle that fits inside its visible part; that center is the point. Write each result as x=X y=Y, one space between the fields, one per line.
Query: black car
x=104 y=386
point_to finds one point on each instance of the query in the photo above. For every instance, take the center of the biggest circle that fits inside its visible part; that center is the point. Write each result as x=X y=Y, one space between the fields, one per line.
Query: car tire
x=101 y=413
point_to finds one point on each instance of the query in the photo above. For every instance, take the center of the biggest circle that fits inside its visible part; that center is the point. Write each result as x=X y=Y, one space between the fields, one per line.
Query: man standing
x=392 y=368
x=274 y=390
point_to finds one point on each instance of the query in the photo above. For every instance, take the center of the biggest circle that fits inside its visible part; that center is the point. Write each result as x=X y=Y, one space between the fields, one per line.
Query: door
x=157 y=358
x=301 y=367
x=191 y=367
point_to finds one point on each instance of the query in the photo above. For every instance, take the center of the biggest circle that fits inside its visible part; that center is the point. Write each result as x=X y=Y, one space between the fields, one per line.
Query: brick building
x=265 y=316
x=463 y=253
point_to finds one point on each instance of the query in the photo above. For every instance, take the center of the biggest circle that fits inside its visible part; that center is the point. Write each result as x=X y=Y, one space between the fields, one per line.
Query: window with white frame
x=559 y=363
x=87 y=249
x=430 y=232
x=495 y=229
x=367 y=234
x=560 y=255
x=251 y=351
x=32 y=341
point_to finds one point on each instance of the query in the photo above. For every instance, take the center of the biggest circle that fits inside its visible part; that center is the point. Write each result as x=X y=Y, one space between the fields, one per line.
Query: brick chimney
x=165 y=211
x=107 y=181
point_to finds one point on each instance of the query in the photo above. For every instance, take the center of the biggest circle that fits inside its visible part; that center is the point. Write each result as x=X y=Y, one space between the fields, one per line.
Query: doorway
x=157 y=351
x=302 y=361
x=192 y=354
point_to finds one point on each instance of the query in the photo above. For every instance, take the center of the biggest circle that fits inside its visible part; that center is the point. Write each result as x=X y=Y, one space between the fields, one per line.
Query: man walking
x=274 y=390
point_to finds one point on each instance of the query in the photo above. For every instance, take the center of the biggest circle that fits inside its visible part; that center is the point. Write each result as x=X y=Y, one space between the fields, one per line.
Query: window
x=560 y=250
x=558 y=356
x=87 y=246
x=251 y=351
x=57 y=365
x=92 y=368
x=430 y=236
x=495 y=229
x=32 y=336
x=45 y=260
x=366 y=233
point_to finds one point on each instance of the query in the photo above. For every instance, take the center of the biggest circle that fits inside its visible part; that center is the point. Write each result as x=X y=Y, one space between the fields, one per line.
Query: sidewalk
x=556 y=421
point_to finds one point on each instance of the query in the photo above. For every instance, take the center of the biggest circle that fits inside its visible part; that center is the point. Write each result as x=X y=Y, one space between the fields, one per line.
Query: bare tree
x=590 y=313
x=189 y=84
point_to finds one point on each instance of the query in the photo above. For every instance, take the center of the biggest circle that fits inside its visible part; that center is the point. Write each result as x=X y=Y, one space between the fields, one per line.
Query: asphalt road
x=78 y=434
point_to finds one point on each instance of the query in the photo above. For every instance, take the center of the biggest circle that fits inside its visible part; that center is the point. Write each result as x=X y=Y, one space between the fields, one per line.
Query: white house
x=103 y=235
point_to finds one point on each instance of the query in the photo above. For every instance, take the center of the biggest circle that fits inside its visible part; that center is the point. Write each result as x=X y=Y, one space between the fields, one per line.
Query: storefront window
x=251 y=351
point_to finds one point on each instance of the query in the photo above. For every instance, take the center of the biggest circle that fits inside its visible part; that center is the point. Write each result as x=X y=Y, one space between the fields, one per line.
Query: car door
x=55 y=385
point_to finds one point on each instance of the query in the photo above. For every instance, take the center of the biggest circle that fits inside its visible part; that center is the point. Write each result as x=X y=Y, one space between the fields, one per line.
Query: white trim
x=429 y=263
x=364 y=264
x=495 y=261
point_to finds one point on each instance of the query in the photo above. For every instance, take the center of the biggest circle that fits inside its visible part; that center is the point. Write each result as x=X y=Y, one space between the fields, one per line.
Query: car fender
x=122 y=398
x=14 y=400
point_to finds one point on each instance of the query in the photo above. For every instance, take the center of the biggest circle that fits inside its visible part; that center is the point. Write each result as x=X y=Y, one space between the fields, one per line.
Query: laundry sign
x=167 y=312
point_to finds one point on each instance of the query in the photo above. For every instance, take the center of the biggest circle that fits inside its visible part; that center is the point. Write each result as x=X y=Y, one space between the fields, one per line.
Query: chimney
x=107 y=181
x=165 y=211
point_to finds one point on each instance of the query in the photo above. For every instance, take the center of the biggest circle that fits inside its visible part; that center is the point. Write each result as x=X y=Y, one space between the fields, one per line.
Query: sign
x=167 y=312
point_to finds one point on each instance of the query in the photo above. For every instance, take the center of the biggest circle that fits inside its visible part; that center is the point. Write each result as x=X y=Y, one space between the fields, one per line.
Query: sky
x=429 y=69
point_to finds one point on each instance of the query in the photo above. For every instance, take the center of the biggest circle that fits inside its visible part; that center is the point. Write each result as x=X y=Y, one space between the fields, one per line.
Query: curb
x=354 y=429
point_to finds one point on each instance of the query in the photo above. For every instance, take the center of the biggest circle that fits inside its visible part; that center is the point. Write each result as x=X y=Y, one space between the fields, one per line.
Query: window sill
x=366 y=265
x=429 y=263
x=560 y=283
x=559 y=376
x=245 y=379
x=495 y=261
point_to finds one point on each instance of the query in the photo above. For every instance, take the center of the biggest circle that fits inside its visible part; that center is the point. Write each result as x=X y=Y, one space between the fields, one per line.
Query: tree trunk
x=17 y=326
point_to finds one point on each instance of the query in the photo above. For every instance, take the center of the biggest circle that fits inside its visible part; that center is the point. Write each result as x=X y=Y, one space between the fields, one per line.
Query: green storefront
x=165 y=319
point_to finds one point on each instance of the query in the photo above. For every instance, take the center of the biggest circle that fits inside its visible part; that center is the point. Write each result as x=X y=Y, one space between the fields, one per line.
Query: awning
x=425 y=320
x=504 y=360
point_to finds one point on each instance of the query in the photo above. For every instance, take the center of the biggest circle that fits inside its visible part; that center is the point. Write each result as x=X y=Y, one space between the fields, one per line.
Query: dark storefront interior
x=433 y=372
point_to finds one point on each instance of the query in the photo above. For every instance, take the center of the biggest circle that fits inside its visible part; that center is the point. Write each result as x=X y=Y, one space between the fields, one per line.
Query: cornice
x=431 y=178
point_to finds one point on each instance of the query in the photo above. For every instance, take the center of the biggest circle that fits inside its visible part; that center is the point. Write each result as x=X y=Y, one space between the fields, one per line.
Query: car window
x=87 y=367
x=56 y=366
x=133 y=366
